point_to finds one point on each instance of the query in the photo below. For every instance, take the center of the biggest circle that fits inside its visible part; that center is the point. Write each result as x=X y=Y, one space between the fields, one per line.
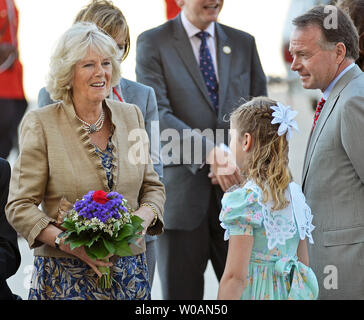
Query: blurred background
x=41 y=23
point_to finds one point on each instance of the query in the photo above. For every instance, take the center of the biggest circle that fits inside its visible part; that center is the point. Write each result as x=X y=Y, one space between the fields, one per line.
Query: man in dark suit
x=9 y=251
x=200 y=70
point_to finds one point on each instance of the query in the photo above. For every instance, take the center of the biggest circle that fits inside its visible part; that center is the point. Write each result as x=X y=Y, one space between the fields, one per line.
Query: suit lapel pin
x=226 y=49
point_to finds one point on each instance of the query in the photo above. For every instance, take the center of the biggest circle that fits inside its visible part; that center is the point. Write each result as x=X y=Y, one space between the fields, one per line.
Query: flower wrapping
x=104 y=225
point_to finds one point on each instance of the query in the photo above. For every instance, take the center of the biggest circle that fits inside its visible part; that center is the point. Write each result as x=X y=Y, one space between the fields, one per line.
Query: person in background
x=71 y=147
x=172 y=9
x=199 y=70
x=266 y=218
x=333 y=170
x=355 y=8
x=12 y=99
x=110 y=19
x=9 y=251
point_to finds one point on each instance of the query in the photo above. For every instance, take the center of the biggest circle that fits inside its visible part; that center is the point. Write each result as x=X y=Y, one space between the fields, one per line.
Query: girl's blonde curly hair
x=268 y=160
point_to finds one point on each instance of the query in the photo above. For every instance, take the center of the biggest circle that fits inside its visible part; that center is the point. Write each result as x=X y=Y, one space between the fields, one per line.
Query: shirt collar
x=327 y=92
x=191 y=30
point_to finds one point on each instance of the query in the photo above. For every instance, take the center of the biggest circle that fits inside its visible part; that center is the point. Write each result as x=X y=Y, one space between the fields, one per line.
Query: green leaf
x=109 y=245
x=98 y=249
x=138 y=229
x=93 y=237
x=126 y=231
x=136 y=220
x=69 y=225
x=90 y=253
x=76 y=241
x=122 y=249
x=80 y=229
x=137 y=224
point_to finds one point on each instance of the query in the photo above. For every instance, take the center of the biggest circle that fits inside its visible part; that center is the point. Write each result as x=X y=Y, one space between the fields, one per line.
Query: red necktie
x=318 y=111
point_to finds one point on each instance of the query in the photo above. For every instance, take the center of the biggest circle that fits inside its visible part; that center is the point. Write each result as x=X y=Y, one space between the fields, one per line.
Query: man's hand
x=224 y=170
x=213 y=178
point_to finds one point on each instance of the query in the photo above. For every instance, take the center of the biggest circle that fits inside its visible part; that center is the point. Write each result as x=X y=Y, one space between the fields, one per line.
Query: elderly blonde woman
x=111 y=20
x=74 y=146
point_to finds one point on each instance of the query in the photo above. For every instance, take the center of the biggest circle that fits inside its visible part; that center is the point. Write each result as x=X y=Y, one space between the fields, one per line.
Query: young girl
x=266 y=218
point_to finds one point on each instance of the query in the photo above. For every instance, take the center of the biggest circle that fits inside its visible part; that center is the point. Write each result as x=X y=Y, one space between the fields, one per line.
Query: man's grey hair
x=345 y=31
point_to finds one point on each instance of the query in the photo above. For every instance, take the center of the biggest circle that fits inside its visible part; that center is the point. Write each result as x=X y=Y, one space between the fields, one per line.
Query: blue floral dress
x=274 y=270
x=72 y=279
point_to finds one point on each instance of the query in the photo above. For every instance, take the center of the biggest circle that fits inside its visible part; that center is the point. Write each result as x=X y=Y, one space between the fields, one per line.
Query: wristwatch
x=58 y=239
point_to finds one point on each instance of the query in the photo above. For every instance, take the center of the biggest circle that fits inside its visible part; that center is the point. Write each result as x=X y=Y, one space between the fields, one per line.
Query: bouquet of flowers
x=103 y=224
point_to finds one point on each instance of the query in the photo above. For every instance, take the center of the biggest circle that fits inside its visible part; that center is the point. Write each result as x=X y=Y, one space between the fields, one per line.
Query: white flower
x=284 y=115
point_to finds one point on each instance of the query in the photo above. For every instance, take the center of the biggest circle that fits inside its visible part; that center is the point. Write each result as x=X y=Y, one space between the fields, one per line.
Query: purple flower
x=89 y=209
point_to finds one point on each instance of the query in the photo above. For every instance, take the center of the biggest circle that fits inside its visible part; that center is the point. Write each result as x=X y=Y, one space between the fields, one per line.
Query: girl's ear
x=247 y=142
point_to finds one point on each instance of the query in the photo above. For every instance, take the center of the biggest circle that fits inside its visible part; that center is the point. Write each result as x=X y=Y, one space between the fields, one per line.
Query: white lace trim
x=280 y=225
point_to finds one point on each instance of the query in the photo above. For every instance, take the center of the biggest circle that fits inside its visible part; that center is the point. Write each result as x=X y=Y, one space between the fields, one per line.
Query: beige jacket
x=57 y=159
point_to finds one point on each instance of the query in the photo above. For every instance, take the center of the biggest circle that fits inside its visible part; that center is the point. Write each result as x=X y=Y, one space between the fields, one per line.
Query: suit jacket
x=333 y=183
x=140 y=95
x=57 y=159
x=165 y=61
x=9 y=251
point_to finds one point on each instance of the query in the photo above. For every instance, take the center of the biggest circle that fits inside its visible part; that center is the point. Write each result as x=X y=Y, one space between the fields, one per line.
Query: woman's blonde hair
x=108 y=18
x=268 y=160
x=71 y=48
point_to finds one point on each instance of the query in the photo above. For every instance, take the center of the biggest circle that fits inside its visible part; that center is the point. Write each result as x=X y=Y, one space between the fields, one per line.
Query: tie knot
x=203 y=35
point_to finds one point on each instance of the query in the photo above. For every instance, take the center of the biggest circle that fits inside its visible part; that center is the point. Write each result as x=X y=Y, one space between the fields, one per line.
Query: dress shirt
x=191 y=31
x=328 y=90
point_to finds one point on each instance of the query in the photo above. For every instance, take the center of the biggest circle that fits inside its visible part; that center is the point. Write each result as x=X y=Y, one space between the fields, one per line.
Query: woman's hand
x=82 y=255
x=147 y=215
x=49 y=234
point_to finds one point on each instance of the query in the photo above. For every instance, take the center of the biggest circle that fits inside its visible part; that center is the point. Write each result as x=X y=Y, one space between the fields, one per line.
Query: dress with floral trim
x=274 y=270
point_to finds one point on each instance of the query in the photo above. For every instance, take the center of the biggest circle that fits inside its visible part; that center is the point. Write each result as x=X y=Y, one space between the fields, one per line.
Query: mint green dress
x=274 y=270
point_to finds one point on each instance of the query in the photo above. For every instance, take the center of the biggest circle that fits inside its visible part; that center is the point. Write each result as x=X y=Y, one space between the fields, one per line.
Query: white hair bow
x=284 y=115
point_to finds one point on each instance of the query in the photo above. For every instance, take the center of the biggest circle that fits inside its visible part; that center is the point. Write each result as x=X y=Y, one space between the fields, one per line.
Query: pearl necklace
x=91 y=128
